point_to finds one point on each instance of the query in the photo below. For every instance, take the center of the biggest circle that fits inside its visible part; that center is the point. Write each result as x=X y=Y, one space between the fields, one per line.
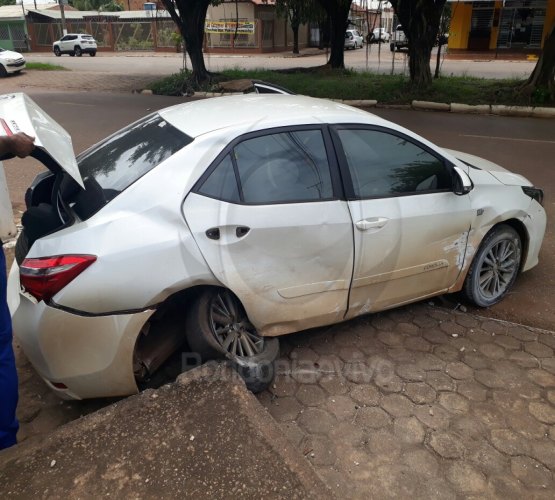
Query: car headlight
x=534 y=193
x=10 y=61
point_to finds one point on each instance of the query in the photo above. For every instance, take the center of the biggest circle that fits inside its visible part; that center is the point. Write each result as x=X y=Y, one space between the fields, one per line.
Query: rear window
x=86 y=37
x=113 y=165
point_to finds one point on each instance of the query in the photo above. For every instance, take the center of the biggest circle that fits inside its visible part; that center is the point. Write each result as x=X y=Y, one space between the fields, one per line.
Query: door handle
x=372 y=223
x=213 y=233
x=241 y=231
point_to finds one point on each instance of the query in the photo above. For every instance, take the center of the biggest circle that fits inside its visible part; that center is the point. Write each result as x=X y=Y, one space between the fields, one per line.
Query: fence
x=109 y=35
x=158 y=34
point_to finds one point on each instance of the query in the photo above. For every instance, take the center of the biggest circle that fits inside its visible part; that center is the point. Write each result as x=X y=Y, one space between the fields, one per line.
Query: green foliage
x=6 y=2
x=98 y=5
x=172 y=85
x=44 y=66
x=167 y=37
x=386 y=89
x=299 y=11
x=137 y=41
x=541 y=96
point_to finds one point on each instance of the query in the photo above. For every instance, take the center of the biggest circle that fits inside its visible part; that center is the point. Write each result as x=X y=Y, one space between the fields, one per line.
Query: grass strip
x=45 y=66
x=386 y=89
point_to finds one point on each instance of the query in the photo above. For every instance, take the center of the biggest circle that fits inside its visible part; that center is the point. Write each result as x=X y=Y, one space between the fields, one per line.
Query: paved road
x=524 y=145
x=163 y=64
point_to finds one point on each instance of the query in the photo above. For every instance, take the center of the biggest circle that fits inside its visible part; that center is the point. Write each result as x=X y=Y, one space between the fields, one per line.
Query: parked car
x=75 y=44
x=380 y=35
x=10 y=62
x=227 y=222
x=353 y=39
x=400 y=40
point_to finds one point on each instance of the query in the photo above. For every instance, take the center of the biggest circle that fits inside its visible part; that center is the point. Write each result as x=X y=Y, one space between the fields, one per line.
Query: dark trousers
x=8 y=374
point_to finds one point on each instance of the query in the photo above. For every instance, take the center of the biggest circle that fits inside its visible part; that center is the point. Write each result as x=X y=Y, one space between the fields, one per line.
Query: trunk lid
x=53 y=146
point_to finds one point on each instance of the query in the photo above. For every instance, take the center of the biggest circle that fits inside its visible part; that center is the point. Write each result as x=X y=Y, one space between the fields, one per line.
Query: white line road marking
x=505 y=138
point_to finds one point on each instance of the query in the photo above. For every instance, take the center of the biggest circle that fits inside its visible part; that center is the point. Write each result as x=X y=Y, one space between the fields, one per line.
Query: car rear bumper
x=91 y=355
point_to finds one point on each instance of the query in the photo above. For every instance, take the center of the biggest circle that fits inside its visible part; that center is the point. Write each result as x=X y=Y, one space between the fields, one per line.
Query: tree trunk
x=190 y=20
x=420 y=21
x=419 y=62
x=338 y=13
x=543 y=75
x=438 y=60
x=295 y=38
x=337 y=44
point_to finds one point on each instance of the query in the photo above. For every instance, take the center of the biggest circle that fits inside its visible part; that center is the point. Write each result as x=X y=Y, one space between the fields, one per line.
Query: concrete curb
x=203 y=436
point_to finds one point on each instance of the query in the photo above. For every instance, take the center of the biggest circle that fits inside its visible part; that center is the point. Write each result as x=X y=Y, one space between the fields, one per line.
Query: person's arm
x=19 y=144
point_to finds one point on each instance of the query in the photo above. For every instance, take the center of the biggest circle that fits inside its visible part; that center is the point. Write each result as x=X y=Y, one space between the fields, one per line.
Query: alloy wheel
x=498 y=268
x=231 y=327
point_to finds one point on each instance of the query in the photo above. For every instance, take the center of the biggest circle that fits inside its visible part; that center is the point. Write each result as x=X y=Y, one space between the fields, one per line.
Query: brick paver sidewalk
x=72 y=81
x=421 y=402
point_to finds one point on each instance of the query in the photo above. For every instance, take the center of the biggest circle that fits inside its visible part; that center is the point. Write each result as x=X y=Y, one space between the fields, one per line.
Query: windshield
x=113 y=165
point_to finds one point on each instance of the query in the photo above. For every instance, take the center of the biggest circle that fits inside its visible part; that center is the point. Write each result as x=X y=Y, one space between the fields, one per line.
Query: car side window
x=222 y=183
x=284 y=167
x=382 y=164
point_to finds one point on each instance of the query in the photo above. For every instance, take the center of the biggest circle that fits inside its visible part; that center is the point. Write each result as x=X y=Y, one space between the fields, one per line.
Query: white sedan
x=223 y=223
x=10 y=62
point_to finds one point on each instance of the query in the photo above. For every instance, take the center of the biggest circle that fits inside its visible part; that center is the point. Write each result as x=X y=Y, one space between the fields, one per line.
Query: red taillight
x=45 y=277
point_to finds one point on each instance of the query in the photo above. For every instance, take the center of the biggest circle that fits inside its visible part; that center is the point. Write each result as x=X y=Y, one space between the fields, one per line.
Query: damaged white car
x=216 y=225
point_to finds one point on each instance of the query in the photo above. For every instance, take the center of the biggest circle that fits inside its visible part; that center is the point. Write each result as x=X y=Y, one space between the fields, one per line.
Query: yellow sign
x=229 y=27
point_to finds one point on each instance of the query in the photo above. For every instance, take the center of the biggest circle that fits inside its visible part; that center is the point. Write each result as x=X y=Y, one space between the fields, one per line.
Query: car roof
x=261 y=111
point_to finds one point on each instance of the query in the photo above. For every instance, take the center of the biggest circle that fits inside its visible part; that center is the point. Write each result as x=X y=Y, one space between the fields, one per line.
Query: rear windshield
x=86 y=37
x=113 y=165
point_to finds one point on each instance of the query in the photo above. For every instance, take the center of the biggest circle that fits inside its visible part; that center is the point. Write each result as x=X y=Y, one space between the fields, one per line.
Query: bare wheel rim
x=231 y=327
x=499 y=266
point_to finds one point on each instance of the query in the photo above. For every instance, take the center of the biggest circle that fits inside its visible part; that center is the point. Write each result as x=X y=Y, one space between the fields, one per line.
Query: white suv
x=10 y=62
x=75 y=44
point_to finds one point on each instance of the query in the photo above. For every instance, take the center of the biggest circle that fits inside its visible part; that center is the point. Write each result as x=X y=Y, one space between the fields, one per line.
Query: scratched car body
x=230 y=221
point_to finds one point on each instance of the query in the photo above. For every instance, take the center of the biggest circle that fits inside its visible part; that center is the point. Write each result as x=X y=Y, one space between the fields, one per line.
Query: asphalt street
x=523 y=145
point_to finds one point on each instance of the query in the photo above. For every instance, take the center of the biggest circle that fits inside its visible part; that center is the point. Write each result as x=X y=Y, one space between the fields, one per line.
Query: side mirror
x=462 y=183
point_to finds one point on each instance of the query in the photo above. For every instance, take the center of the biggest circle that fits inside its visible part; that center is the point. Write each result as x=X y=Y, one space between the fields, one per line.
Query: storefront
x=510 y=24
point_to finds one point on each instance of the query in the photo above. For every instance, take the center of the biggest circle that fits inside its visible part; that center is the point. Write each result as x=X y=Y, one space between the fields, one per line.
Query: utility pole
x=63 y=16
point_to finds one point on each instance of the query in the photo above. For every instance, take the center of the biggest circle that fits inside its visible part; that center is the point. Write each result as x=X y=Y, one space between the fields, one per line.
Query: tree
x=98 y=5
x=420 y=21
x=189 y=16
x=543 y=76
x=338 y=14
x=443 y=34
x=6 y=2
x=297 y=12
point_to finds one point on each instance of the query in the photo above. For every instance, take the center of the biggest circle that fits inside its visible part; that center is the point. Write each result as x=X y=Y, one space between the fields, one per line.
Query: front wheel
x=3 y=71
x=78 y=51
x=217 y=326
x=57 y=52
x=494 y=268
x=392 y=47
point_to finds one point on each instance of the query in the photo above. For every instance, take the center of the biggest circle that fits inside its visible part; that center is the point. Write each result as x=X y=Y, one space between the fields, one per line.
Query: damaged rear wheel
x=218 y=327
